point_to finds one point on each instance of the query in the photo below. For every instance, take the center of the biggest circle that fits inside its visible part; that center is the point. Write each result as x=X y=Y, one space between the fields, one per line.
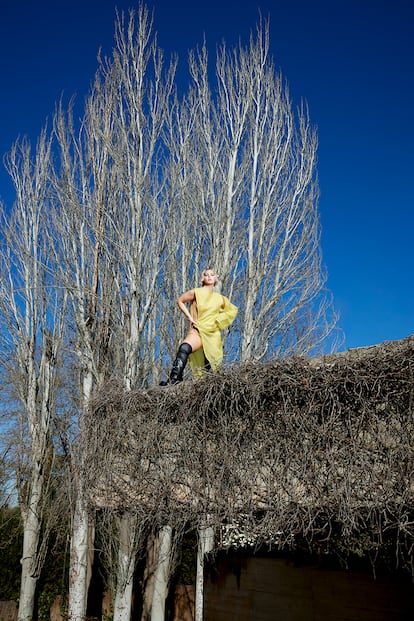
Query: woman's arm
x=188 y=296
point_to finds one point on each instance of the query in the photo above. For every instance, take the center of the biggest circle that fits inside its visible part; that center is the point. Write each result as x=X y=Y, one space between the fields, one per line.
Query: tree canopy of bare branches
x=118 y=215
x=244 y=180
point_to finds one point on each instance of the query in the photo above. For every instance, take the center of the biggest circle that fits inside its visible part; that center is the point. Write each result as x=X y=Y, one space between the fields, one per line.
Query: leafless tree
x=83 y=187
x=32 y=309
x=244 y=165
x=111 y=225
x=142 y=91
x=250 y=191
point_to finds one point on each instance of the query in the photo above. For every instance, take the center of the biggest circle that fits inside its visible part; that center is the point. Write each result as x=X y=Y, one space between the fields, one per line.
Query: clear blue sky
x=353 y=62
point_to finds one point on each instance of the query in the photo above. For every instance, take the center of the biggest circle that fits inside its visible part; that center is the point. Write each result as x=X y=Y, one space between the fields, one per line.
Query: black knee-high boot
x=178 y=366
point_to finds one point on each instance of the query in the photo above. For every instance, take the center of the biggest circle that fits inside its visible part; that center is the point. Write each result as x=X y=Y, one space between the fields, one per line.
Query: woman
x=209 y=313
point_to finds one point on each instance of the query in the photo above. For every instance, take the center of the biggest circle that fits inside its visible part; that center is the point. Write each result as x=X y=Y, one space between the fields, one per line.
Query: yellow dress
x=214 y=313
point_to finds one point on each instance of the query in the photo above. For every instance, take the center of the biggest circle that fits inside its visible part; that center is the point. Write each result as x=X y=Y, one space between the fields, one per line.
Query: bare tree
x=245 y=168
x=111 y=226
x=83 y=202
x=283 y=279
x=32 y=310
x=250 y=170
x=142 y=92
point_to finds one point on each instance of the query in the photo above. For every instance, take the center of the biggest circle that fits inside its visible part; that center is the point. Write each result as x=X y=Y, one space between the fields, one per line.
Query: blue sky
x=352 y=61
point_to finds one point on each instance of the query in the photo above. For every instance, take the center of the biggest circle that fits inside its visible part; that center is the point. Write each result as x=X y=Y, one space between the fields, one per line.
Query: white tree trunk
x=205 y=545
x=27 y=587
x=31 y=537
x=126 y=565
x=79 y=560
x=162 y=574
x=81 y=554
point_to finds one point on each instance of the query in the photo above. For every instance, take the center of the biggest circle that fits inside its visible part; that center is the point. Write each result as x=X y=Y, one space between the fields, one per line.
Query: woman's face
x=209 y=277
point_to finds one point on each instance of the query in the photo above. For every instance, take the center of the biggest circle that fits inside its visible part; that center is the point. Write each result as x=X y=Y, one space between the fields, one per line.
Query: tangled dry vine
x=309 y=448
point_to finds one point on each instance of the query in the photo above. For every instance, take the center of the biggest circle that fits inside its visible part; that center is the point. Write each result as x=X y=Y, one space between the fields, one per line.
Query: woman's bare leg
x=191 y=343
x=193 y=338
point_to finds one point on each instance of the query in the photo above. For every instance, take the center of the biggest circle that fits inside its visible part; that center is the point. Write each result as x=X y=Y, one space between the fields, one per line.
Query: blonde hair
x=209 y=269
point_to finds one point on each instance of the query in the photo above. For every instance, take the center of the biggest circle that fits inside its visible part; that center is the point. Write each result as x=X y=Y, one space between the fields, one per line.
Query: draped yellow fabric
x=214 y=313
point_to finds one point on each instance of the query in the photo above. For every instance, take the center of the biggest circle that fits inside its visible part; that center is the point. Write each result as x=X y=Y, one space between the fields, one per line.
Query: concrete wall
x=266 y=589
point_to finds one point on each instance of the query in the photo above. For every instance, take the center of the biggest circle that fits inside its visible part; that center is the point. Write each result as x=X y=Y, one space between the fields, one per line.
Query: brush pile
x=309 y=448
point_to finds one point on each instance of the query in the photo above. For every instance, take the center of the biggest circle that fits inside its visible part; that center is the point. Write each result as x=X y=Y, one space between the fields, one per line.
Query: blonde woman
x=209 y=313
